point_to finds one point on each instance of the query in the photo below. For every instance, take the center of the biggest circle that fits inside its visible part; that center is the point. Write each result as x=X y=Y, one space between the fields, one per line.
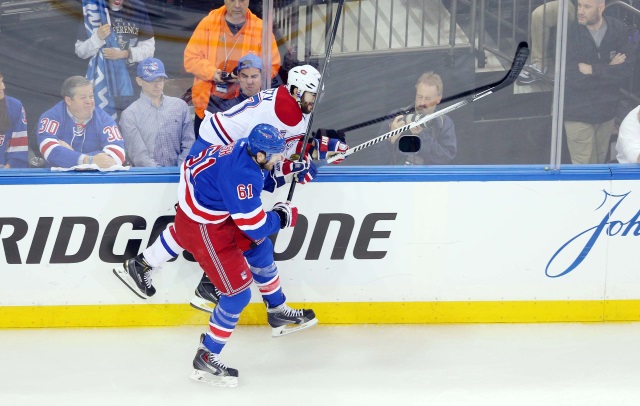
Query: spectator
x=599 y=62
x=13 y=132
x=115 y=38
x=628 y=145
x=76 y=132
x=249 y=73
x=543 y=19
x=214 y=50
x=438 y=143
x=157 y=129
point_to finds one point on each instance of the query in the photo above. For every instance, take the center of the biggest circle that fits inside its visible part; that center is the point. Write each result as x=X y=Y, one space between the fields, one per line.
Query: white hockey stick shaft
x=519 y=61
x=406 y=127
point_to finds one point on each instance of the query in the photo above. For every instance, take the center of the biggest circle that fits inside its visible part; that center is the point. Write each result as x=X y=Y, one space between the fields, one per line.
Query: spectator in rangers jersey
x=287 y=109
x=438 y=143
x=157 y=129
x=213 y=52
x=13 y=131
x=76 y=132
x=219 y=218
x=132 y=42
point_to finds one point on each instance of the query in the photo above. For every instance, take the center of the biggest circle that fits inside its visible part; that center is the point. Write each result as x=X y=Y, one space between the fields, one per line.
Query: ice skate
x=285 y=320
x=210 y=370
x=206 y=297
x=136 y=274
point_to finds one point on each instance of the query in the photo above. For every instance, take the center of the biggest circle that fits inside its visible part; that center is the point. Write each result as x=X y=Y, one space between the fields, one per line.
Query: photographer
x=213 y=52
x=436 y=143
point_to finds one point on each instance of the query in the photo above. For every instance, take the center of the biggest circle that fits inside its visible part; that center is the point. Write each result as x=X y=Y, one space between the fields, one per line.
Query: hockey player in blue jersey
x=13 y=131
x=76 y=132
x=220 y=217
x=287 y=108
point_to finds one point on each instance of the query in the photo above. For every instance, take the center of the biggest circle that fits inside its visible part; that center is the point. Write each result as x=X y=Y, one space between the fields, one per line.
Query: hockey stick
x=307 y=135
x=519 y=61
x=410 y=108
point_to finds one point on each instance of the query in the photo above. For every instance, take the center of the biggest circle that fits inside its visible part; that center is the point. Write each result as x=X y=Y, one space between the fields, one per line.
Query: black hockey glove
x=288 y=214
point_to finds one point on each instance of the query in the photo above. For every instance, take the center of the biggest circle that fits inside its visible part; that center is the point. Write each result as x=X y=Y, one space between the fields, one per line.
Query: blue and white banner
x=110 y=77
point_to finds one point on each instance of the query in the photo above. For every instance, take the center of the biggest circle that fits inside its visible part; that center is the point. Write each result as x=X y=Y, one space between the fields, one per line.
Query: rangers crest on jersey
x=79 y=130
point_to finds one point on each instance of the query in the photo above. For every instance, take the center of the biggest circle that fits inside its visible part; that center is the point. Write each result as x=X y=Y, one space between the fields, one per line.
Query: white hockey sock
x=163 y=248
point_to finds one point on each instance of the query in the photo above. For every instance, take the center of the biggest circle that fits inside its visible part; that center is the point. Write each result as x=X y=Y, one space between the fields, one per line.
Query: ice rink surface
x=497 y=364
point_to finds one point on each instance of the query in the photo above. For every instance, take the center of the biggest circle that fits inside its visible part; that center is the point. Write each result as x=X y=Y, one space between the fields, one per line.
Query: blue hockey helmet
x=267 y=139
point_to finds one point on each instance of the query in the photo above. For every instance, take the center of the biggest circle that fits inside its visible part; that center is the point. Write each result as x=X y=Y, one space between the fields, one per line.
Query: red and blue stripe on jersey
x=99 y=134
x=14 y=141
x=223 y=181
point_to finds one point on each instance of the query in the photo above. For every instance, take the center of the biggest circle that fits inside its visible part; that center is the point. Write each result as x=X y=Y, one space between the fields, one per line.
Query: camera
x=226 y=76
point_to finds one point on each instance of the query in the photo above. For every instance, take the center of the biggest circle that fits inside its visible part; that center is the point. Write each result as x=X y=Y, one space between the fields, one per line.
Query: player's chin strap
x=308 y=135
x=519 y=61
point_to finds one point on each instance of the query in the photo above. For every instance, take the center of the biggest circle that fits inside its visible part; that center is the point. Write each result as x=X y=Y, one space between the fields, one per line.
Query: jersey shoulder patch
x=287 y=109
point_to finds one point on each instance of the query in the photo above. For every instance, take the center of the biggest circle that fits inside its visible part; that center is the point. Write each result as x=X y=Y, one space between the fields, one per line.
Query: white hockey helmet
x=305 y=78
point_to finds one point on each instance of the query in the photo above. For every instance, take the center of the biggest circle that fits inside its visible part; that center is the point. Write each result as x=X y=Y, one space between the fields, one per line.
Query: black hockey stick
x=308 y=135
x=519 y=61
x=410 y=108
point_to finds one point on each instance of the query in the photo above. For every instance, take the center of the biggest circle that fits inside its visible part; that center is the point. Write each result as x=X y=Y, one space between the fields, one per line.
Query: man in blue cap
x=157 y=129
x=249 y=74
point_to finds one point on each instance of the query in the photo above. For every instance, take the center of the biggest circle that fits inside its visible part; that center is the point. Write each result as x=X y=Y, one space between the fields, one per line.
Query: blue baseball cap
x=249 y=61
x=151 y=68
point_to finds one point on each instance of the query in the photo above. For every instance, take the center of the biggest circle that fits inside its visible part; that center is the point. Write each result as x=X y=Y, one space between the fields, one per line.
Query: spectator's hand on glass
x=618 y=59
x=585 y=68
x=103 y=31
x=103 y=160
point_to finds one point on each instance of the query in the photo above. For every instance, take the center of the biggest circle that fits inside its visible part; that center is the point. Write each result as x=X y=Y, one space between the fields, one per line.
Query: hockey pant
x=258 y=254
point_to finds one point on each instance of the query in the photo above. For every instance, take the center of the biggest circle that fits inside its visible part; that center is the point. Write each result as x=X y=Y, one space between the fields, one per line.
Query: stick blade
x=519 y=60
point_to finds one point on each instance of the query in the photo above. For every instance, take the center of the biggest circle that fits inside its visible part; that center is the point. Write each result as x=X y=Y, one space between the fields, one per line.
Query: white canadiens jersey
x=272 y=106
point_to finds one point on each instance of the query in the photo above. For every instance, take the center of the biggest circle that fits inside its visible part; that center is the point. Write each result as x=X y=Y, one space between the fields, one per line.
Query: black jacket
x=594 y=98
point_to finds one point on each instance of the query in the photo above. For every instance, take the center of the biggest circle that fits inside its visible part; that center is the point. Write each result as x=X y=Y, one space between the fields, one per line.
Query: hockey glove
x=308 y=175
x=288 y=214
x=283 y=168
x=327 y=147
x=336 y=134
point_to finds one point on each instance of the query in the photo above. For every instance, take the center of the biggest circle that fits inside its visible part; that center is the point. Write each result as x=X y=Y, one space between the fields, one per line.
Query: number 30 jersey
x=99 y=134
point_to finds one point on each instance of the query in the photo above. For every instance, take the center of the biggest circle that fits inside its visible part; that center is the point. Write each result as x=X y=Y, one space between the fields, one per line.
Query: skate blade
x=202 y=304
x=292 y=328
x=126 y=279
x=213 y=380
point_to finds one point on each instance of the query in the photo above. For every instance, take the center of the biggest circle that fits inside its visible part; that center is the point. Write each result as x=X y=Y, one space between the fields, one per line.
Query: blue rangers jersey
x=223 y=182
x=13 y=141
x=99 y=134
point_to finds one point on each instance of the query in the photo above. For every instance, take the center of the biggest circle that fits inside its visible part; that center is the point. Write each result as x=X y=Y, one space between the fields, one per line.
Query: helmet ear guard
x=305 y=78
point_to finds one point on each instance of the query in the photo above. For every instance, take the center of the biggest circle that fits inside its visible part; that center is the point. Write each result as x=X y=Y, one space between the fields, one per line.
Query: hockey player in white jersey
x=287 y=108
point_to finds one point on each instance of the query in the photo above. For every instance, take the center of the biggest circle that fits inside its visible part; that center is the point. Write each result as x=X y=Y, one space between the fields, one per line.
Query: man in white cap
x=157 y=129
